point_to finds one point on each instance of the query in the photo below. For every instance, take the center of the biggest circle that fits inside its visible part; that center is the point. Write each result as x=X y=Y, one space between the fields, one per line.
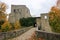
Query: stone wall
x=17 y=12
x=12 y=34
x=47 y=35
x=38 y=21
x=45 y=22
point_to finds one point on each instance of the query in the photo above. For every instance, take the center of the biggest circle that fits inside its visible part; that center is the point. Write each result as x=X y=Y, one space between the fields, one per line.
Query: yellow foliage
x=7 y=26
x=17 y=25
x=2 y=16
x=55 y=10
x=51 y=15
x=3 y=7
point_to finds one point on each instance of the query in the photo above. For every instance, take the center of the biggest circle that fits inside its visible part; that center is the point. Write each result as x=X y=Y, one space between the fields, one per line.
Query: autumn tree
x=54 y=19
x=3 y=8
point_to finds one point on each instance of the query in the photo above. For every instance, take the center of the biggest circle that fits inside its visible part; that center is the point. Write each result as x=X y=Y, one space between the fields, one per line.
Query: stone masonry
x=43 y=22
x=17 y=12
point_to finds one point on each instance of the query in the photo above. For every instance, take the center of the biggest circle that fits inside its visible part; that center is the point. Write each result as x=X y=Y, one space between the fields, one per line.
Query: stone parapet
x=47 y=35
x=12 y=34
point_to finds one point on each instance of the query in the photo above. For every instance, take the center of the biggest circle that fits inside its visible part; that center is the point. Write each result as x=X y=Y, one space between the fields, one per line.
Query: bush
x=17 y=25
x=1 y=22
x=6 y=27
x=12 y=24
x=27 y=21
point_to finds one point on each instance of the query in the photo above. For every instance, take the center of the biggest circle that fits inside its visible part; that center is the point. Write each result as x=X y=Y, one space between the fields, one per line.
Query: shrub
x=26 y=22
x=6 y=26
x=17 y=25
x=1 y=22
x=12 y=24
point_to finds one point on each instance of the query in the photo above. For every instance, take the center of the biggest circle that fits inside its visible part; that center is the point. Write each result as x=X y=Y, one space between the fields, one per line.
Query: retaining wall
x=47 y=35
x=12 y=34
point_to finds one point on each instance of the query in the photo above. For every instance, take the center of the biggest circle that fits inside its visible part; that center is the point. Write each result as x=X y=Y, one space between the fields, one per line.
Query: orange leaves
x=51 y=15
x=54 y=19
x=56 y=11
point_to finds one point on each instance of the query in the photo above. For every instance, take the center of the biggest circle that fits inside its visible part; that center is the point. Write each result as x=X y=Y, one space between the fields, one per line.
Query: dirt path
x=26 y=35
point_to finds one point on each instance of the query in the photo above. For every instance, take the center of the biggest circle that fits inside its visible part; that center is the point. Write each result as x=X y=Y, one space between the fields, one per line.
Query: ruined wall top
x=18 y=5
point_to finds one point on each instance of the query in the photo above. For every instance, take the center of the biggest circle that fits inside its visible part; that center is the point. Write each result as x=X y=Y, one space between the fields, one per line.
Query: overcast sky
x=36 y=6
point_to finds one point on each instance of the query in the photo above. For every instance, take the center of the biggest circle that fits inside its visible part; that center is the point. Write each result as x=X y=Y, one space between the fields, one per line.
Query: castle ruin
x=43 y=22
x=17 y=12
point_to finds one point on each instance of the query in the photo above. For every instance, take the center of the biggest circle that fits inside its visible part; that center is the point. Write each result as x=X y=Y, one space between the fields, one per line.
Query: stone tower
x=17 y=12
x=45 y=22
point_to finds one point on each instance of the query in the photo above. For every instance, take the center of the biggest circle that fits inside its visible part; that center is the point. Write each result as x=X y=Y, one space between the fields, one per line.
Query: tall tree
x=54 y=19
x=3 y=15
